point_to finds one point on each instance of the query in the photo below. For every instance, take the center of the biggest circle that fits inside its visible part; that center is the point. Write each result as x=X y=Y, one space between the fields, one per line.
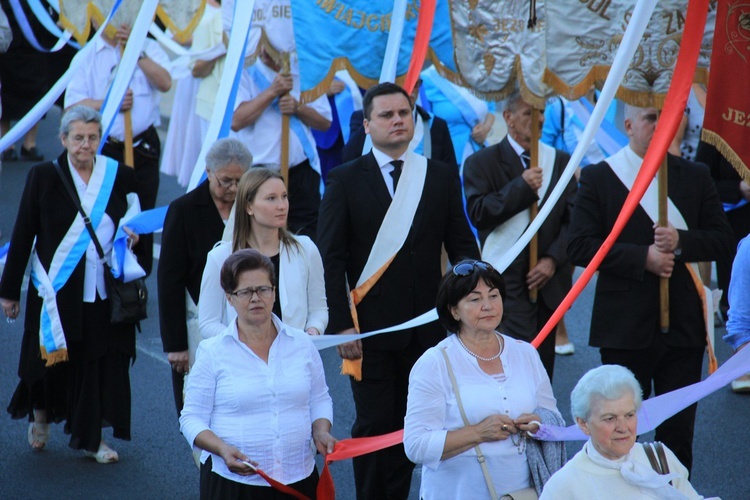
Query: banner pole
x=536 y=132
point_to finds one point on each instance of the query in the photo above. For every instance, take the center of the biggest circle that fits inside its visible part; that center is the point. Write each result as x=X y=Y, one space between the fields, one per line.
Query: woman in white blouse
x=261 y=211
x=504 y=391
x=257 y=393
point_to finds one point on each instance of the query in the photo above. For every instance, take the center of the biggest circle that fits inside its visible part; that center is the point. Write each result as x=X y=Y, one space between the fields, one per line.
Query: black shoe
x=30 y=154
x=10 y=155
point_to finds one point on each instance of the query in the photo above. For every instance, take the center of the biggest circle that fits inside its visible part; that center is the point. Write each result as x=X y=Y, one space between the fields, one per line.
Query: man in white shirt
x=263 y=97
x=89 y=87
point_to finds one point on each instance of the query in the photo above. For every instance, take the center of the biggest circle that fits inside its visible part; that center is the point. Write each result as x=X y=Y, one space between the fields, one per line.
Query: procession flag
x=727 y=117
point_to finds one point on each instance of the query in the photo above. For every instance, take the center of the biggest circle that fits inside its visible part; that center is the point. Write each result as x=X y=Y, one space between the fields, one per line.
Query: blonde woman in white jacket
x=260 y=218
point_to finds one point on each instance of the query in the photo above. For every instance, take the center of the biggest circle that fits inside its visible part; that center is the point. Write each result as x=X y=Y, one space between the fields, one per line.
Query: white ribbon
x=235 y=53
x=504 y=235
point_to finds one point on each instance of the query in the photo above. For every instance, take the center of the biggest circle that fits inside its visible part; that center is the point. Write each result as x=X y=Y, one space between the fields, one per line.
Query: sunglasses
x=467 y=268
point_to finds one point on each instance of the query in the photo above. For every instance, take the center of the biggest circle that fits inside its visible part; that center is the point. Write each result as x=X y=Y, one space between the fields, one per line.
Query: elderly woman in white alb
x=604 y=404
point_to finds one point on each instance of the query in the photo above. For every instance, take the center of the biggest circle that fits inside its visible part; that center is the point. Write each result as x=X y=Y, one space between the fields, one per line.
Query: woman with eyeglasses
x=260 y=217
x=257 y=395
x=74 y=362
x=479 y=393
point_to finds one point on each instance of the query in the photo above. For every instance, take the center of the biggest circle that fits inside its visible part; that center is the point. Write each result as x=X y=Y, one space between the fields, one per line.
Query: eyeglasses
x=79 y=140
x=226 y=183
x=264 y=292
x=467 y=268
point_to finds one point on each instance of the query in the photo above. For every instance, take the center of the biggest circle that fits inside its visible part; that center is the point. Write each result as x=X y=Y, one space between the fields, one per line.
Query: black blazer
x=353 y=207
x=192 y=227
x=442 y=145
x=495 y=192
x=46 y=213
x=626 y=306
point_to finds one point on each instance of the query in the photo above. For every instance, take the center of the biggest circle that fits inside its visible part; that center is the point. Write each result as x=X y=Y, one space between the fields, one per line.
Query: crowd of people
x=415 y=205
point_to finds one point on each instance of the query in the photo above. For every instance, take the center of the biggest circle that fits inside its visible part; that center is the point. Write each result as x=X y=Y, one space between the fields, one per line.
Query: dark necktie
x=526 y=158
x=396 y=173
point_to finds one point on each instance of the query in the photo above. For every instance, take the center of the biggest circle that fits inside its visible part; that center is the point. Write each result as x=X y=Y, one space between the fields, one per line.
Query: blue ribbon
x=45 y=20
x=345 y=110
x=146 y=222
x=294 y=123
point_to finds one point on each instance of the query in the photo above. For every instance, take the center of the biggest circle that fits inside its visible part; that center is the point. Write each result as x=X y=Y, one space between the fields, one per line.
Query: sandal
x=38 y=435
x=105 y=455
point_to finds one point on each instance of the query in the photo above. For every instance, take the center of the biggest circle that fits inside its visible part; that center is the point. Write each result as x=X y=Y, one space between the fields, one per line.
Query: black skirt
x=91 y=390
x=216 y=487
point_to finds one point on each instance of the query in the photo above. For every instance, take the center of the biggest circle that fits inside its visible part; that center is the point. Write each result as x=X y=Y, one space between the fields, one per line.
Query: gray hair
x=79 y=113
x=609 y=382
x=228 y=151
x=513 y=101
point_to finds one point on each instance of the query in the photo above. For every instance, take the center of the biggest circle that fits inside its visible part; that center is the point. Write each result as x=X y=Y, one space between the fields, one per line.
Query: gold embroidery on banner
x=737 y=27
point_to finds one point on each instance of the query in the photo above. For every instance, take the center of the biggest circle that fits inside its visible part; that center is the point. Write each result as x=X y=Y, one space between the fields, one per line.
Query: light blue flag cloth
x=357 y=31
x=123 y=260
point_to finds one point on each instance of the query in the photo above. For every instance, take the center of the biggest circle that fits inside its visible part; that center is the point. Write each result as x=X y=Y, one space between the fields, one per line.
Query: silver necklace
x=480 y=358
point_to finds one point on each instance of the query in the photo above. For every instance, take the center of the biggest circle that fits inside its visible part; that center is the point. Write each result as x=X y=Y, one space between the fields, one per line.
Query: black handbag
x=127 y=301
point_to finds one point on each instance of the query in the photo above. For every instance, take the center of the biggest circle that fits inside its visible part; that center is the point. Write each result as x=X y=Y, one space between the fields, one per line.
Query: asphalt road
x=157 y=463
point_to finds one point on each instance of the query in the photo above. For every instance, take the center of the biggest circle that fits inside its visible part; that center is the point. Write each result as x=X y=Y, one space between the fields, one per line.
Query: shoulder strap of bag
x=480 y=455
x=652 y=457
x=74 y=196
x=662 y=457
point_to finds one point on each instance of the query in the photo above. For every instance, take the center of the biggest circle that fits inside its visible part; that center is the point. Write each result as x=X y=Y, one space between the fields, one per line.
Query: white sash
x=398 y=219
x=626 y=164
x=68 y=254
x=504 y=235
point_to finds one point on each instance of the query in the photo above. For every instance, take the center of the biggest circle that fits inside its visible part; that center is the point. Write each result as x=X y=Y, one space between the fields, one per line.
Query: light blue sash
x=467 y=110
x=44 y=20
x=294 y=123
x=345 y=110
x=67 y=256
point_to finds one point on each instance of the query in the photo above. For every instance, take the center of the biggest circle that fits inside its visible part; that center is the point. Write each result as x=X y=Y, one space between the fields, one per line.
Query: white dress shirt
x=94 y=77
x=264 y=410
x=384 y=162
x=432 y=411
x=263 y=137
x=93 y=273
x=301 y=289
x=518 y=149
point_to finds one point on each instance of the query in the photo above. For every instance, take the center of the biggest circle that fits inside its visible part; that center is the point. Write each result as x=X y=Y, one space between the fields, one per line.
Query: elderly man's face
x=519 y=123
x=612 y=426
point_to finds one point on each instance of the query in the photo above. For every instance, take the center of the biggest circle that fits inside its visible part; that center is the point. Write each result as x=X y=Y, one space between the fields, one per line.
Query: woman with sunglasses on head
x=476 y=393
x=257 y=395
x=261 y=211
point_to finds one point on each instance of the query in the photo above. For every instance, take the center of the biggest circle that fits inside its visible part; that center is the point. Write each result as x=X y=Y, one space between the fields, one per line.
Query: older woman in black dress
x=74 y=364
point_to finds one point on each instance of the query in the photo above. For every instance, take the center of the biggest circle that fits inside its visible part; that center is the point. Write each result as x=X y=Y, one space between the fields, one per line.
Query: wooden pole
x=536 y=132
x=284 y=167
x=128 y=133
x=663 y=222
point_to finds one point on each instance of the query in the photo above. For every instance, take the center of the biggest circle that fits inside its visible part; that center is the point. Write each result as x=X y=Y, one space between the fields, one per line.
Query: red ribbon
x=670 y=118
x=281 y=487
x=666 y=128
x=421 y=42
x=350 y=448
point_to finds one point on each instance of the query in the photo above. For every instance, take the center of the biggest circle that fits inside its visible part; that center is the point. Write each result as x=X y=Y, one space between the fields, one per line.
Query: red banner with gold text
x=726 y=124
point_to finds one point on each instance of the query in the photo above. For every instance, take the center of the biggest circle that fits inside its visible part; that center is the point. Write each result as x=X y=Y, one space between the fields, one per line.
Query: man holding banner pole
x=501 y=186
x=383 y=221
x=625 y=316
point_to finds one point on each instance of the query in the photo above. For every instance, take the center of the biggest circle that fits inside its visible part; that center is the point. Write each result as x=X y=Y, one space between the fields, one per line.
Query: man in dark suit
x=356 y=201
x=500 y=189
x=193 y=225
x=625 y=316
x=440 y=143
